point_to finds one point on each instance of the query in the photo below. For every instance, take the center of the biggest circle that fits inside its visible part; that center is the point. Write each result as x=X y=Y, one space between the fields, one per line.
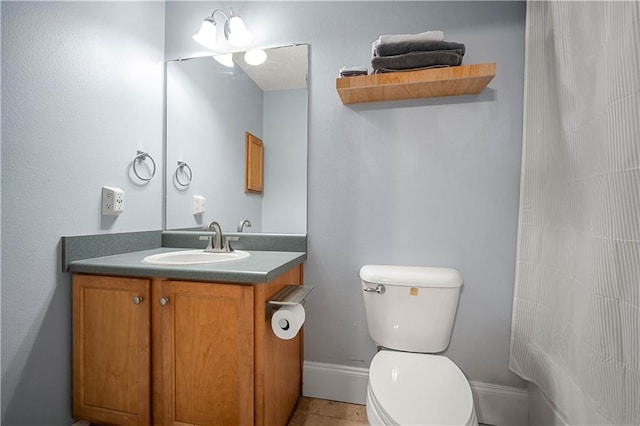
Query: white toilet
x=410 y=312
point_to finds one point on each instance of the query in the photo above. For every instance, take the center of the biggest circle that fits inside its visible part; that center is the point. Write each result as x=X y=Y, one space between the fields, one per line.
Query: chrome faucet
x=217 y=245
x=242 y=224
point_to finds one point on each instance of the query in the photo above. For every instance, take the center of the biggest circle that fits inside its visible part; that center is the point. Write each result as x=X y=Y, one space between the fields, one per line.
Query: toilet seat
x=419 y=389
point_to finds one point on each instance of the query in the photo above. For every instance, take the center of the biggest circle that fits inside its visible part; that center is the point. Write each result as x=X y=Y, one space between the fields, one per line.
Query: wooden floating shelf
x=435 y=82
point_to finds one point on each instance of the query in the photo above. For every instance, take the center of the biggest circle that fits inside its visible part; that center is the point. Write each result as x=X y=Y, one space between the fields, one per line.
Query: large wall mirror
x=211 y=107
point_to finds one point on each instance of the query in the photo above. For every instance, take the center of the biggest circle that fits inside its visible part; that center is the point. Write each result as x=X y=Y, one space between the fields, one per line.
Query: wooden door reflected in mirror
x=254 y=154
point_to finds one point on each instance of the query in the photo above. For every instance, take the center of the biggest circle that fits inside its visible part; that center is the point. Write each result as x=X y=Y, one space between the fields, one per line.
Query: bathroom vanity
x=156 y=344
x=183 y=345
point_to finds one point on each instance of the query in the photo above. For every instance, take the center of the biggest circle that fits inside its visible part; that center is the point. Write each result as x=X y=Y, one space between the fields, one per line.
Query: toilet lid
x=420 y=389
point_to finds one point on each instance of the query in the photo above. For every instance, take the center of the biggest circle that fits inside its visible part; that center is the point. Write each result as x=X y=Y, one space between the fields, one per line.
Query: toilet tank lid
x=415 y=276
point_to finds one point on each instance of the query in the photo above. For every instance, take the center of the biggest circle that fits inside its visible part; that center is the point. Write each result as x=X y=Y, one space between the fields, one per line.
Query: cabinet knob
x=164 y=301
x=137 y=300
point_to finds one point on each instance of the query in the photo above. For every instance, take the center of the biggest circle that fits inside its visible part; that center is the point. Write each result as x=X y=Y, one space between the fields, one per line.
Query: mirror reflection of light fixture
x=225 y=59
x=234 y=31
x=255 y=56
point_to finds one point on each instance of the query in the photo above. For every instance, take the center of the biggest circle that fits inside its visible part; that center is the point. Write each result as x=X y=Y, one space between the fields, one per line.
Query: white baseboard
x=335 y=382
x=543 y=412
x=495 y=404
x=500 y=405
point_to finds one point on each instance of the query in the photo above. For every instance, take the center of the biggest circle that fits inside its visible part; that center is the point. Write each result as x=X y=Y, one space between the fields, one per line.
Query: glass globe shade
x=255 y=57
x=207 y=35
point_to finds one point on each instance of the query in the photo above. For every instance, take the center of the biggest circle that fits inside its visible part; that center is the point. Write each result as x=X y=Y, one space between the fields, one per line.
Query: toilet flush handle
x=379 y=289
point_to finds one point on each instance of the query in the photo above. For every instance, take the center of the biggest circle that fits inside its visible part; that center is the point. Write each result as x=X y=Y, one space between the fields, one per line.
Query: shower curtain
x=576 y=315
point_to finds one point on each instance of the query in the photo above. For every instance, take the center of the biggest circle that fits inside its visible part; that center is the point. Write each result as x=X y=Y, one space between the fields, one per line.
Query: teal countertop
x=260 y=267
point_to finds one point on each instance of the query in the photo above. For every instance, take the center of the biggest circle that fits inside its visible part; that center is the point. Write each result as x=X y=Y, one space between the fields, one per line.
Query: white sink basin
x=194 y=257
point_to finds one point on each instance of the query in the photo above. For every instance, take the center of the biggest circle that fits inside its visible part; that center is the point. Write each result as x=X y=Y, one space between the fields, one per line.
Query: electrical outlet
x=199 y=204
x=112 y=201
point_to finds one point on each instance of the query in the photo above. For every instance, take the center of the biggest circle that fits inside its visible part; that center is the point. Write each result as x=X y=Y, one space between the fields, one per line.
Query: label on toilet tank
x=413 y=291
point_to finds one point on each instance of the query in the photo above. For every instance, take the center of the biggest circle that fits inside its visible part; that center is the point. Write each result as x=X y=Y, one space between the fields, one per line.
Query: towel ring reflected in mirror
x=140 y=158
x=180 y=170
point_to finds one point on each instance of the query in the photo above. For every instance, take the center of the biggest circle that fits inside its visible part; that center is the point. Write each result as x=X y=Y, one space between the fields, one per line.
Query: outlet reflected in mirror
x=210 y=108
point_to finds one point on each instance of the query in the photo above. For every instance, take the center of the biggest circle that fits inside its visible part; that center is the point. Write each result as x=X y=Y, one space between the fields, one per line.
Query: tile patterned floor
x=321 y=412
x=318 y=412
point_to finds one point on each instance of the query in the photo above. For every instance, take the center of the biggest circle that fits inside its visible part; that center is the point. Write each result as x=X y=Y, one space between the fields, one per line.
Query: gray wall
x=82 y=86
x=209 y=109
x=430 y=182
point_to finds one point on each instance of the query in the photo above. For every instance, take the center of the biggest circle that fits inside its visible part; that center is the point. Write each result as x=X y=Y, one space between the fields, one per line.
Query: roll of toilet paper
x=287 y=321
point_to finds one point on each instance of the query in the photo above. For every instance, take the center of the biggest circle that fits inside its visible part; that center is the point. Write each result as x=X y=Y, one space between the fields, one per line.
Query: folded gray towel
x=353 y=71
x=386 y=70
x=417 y=60
x=391 y=49
x=395 y=38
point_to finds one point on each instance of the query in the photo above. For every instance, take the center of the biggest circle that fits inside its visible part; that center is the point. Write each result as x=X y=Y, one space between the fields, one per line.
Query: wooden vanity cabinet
x=206 y=370
x=111 y=349
x=278 y=363
x=166 y=352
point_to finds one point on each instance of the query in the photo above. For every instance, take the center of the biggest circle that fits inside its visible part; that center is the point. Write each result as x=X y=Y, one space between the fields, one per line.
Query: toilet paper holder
x=288 y=295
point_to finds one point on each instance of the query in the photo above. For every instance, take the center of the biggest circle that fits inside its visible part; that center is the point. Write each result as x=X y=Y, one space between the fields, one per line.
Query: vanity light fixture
x=255 y=57
x=234 y=30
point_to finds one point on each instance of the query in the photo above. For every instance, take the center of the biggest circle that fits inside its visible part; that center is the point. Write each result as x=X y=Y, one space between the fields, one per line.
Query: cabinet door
x=111 y=357
x=207 y=353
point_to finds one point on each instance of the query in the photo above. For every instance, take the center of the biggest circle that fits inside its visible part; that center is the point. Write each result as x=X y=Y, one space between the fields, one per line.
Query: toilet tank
x=416 y=310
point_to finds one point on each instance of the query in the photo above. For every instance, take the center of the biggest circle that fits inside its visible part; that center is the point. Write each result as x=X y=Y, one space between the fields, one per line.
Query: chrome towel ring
x=180 y=171
x=141 y=157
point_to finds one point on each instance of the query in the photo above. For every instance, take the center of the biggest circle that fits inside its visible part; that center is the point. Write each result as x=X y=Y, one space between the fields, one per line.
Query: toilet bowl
x=410 y=313
x=418 y=389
